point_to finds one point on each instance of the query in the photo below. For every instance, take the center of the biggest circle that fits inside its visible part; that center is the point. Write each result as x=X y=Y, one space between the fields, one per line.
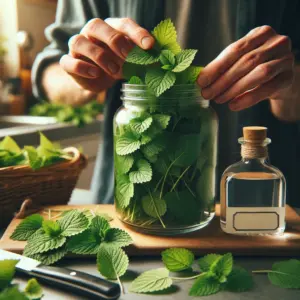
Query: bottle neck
x=261 y=160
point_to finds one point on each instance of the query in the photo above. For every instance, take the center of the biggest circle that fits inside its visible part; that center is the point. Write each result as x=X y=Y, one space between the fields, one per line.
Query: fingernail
x=146 y=42
x=93 y=72
x=113 y=68
x=203 y=80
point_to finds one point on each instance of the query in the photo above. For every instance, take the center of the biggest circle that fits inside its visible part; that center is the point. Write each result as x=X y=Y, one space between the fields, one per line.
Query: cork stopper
x=254 y=133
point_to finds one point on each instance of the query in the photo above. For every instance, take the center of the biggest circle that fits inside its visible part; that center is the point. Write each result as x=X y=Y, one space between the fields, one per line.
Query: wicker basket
x=47 y=186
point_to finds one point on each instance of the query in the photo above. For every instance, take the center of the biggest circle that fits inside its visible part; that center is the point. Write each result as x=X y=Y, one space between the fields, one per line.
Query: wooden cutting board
x=208 y=240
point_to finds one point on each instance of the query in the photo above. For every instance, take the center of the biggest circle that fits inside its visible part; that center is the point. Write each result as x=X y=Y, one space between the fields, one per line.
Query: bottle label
x=254 y=219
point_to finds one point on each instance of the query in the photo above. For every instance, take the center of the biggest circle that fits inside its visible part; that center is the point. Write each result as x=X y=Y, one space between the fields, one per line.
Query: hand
x=97 y=54
x=258 y=66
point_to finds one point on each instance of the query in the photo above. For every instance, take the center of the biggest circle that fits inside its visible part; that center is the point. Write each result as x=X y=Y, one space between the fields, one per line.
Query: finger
x=259 y=75
x=104 y=58
x=262 y=92
x=78 y=67
x=275 y=47
x=232 y=53
x=136 y=33
x=100 y=32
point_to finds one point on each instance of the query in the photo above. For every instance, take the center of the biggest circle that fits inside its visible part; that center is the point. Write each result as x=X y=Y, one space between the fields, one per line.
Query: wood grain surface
x=208 y=240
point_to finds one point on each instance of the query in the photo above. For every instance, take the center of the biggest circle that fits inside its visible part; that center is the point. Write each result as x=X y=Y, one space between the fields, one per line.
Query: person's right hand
x=97 y=54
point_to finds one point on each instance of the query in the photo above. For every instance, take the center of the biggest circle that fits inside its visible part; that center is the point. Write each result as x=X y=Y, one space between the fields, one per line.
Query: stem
x=168 y=170
x=267 y=272
x=49 y=214
x=120 y=283
x=157 y=185
x=161 y=221
x=186 y=278
x=181 y=175
x=194 y=173
x=176 y=123
x=187 y=186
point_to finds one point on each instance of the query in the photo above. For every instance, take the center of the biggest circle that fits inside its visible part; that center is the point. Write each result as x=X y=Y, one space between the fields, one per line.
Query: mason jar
x=165 y=155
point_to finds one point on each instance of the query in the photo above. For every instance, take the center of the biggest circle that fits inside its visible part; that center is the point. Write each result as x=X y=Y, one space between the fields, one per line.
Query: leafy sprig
x=9 y=291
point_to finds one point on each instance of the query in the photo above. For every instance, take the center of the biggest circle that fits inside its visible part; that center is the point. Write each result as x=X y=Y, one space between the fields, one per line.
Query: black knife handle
x=77 y=282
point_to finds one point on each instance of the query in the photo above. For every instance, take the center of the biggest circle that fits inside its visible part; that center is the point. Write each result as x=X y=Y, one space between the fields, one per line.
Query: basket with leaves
x=47 y=175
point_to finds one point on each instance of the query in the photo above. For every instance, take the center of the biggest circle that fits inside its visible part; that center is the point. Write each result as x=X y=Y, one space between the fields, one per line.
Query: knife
x=75 y=281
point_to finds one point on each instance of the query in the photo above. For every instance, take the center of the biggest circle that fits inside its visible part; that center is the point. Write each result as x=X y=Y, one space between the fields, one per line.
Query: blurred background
x=22 y=25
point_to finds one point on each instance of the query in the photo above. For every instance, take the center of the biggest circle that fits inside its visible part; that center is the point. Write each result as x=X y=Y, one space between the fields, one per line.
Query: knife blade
x=75 y=281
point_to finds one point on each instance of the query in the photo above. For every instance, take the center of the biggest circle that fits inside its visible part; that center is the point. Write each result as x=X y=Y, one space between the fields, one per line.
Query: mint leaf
x=12 y=293
x=165 y=33
x=35 y=161
x=153 y=206
x=222 y=267
x=286 y=274
x=153 y=148
x=167 y=67
x=100 y=224
x=112 y=262
x=167 y=57
x=7 y=271
x=86 y=242
x=73 y=223
x=10 y=145
x=33 y=290
x=159 y=81
x=135 y=80
x=239 y=280
x=50 y=257
x=161 y=120
x=177 y=259
x=51 y=228
x=117 y=237
x=142 y=172
x=207 y=261
x=124 y=190
x=141 y=57
x=184 y=59
x=204 y=285
x=174 y=47
x=140 y=124
x=151 y=281
x=189 y=75
x=27 y=228
x=41 y=242
x=127 y=143
x=124 y=163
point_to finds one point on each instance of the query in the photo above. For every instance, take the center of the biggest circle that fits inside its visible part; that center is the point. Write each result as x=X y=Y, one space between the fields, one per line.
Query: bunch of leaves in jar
x=163 y=66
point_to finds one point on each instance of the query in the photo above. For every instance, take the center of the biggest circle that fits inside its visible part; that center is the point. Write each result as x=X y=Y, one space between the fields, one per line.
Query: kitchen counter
x=263 y=289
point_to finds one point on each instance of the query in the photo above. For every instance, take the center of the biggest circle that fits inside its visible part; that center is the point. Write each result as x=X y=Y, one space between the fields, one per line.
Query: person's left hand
x=256 y=67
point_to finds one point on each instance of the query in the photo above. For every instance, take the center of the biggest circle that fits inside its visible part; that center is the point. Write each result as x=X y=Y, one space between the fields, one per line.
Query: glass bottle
x=253 y=192
x=165 y=152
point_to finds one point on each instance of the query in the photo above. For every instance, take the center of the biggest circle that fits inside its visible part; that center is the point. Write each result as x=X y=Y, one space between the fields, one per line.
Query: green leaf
x=222 y=267
x=142 y=172
x=35 y=162
x=9 y=144
x=286 y=274
x=184 y=59
x=239 y=280
x=73 y=223
x=167 y=67
x=167 y=57
x=165 y=33
x=85 y=242
x=141 y=57
x=153 y=148
x=161 y=120
x=151 y=281
x=159 y=81
x=41 y=242
x=12 y=293
x=207 y=261
x=140 y=124
x=7 y=272
x=127 y=143
x=124 y=163
x=27 y=228
x=112 y=262
x=124 y=190
x=189 y=75
x=204 y=285
x=50 y=257
x=183 y=206
x=153 y=205
x=51 y=228
x=117 y=237
x=177 y=259
x=100 y=225
x=33 y=290
x=135 y=80
x=174 y=47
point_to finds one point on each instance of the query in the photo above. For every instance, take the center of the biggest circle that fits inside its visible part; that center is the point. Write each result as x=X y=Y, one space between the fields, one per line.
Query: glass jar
x=165 y=154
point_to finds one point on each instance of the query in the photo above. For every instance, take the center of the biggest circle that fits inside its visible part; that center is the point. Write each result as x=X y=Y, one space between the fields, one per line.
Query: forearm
x=286 y=105
x=59 y=87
